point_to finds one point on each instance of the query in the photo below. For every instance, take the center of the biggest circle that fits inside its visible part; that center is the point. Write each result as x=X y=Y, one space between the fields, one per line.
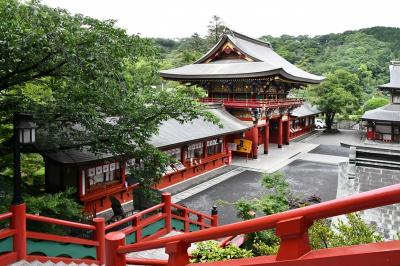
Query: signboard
x=243 y=145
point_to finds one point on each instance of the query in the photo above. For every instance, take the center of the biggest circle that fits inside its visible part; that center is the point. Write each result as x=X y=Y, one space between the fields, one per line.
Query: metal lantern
x=26 y=132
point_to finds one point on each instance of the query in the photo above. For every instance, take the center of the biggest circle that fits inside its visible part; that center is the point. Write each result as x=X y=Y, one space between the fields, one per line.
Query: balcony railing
x=254 y=103
x=291 y=227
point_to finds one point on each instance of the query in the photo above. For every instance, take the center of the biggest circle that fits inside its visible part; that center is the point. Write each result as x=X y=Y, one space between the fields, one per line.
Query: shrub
x=210 y=251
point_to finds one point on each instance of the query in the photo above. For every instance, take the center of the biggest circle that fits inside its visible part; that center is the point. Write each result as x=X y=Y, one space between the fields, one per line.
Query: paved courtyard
x=309 y=165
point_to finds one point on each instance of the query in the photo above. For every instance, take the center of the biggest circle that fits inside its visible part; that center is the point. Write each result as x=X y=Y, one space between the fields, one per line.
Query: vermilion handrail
x=135 y=216
x=366 y=200
x=6 y=215
x=180 y=207
x=44 y=219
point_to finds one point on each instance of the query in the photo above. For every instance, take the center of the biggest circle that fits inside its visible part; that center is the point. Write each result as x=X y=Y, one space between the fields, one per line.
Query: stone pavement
x=205 y=185
x=277 y=158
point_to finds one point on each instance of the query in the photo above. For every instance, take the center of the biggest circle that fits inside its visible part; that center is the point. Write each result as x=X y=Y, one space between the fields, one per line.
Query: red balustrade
x=254 y=103
x=292 y=228
x=18 y=219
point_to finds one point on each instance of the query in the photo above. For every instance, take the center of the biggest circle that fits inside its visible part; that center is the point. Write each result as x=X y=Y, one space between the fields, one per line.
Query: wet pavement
x=331 y=150
x=305 y=178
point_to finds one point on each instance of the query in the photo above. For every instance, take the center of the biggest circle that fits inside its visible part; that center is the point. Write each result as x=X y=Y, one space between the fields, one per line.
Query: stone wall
x=386 y=219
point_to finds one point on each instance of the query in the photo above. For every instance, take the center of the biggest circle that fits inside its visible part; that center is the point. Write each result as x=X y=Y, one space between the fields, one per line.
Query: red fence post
x=136 y=223
x=214 y=215
x=99 y=235
x=294 y=238
x=186 y=222
x=177 y=252
x=18 y=222
x=113 y=241
x=166 y=199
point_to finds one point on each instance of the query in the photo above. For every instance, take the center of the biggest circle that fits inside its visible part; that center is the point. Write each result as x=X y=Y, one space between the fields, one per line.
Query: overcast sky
x=181 y=18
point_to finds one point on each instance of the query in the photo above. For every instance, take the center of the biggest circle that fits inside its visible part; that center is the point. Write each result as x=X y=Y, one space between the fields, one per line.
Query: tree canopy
x=86 y=82
x=339 y=93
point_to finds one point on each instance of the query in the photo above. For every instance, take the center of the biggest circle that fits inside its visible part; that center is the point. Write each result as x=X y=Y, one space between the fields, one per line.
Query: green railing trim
x=178 y=224
x=55 y=249
x=6 y=244
x=131 y=238
x=194 y=227
x=153 y=228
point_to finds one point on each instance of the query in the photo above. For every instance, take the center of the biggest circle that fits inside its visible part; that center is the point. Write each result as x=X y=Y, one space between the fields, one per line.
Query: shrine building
x=383 y=124
x=253 y=83
x=198 y=146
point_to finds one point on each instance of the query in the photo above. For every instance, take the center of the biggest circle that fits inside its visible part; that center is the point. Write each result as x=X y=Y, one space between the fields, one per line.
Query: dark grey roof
x=266 y=62
x=390 y=86
x=171 y=133
x=75 y=156
x=390 y=112
x=305 y=109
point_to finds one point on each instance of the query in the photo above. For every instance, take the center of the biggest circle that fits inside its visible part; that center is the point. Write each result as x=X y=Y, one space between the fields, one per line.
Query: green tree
x=375 y=102
x=339 y=93
x=86 y=82
x=215 y=29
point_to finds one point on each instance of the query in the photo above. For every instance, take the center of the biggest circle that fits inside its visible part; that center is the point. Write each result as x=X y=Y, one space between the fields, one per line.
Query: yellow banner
x=243 y=145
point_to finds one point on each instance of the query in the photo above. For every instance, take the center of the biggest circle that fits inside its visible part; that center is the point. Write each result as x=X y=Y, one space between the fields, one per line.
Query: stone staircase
x=49 y=263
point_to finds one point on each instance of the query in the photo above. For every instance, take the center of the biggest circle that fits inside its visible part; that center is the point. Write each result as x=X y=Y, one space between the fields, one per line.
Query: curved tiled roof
x=171 y=133
x=390 y=112
x=266 y=62
x=305 y=109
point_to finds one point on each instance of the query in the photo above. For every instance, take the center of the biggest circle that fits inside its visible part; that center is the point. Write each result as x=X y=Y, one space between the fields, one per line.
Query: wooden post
x=214 y=215
x=287 y=137
x=18 y=222
x=186 y=220
x=266 y=136
x=166 y=199
x=177 y=252
x=200 y=219
x=280 y=132
x=294 y=238
x=113 y=241
x=99 y=236
x=136 y=223
x=254 y=139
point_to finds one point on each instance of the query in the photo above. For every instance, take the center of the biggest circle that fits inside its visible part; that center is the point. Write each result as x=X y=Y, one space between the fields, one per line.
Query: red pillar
x=18 y=222
x=294 y=238
x=254 y=139
x=177 y=252
x=266 y=136
x=280 y=132
x=113 y=241
x=99 y=236
x=287 y=137
x=166 y=199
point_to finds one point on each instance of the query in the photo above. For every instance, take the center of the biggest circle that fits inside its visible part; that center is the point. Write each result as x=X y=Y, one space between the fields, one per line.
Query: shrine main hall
x=253 y=83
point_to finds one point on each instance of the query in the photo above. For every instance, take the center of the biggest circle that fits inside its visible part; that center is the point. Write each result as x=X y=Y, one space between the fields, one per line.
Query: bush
x=375 y=102
x=354 y=231
x=210 y=251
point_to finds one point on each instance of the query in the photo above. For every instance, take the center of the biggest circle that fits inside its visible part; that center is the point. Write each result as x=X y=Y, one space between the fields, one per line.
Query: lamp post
x=24 y=133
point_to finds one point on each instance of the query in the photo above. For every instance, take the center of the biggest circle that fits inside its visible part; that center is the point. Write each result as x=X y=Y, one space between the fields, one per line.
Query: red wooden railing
x=163 y=211
x=254 y=103
x=292 y=228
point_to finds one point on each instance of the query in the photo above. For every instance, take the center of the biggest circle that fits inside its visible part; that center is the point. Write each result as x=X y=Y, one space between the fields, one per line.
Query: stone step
x=48 y=263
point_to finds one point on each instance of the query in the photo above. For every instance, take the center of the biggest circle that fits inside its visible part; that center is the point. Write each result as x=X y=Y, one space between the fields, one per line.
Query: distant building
x=383 y=124
x=375 y=163
x=253 y=82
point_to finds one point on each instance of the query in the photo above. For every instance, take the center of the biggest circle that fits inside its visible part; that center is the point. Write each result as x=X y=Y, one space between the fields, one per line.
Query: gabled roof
x=305 y=109
x=258 y=60
x=171 y=134
x=389 y=113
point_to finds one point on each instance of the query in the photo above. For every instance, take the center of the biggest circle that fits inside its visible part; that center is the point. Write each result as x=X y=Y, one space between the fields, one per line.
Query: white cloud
x=181 y=18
